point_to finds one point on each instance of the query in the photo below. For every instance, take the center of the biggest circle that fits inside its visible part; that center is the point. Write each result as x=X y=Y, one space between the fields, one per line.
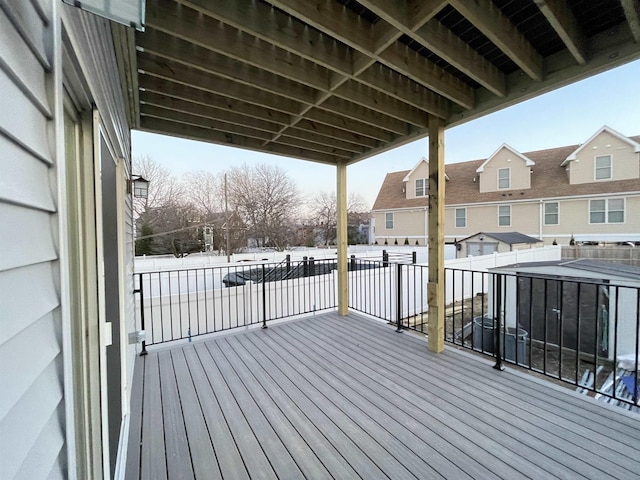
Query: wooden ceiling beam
x=173 y=52
x=562 y=20
x=348 y=124
x=272 y=26
x=347 y=27
x=179 y=105
x=348 y=136
x=233 y=129
x=632 y=13
x=420 y=12
x=209 y=34
x=369 y=98
x=416 y=67
x=359 y=113
x=167 y=127
x=291 y=35
x=178 y=73
x=195 y=95
x=487 y=18
x=438 y=39
x=381 y=77
x=163 y=45
x=158 y=78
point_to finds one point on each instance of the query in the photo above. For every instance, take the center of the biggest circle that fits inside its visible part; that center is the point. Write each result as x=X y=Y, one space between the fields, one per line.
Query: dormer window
x=421 y=187
x=603 y=167
x=504 y=178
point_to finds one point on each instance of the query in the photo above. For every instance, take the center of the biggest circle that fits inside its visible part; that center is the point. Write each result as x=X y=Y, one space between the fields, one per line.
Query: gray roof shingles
x=548 y=180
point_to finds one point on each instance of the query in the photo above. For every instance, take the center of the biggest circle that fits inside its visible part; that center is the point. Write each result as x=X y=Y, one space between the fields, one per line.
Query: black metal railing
x=584 y=332
x=573 y=330
x=390 y=291
x=183 y=304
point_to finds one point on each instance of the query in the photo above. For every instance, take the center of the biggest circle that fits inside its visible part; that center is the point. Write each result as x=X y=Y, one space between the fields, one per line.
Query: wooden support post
x=435 y=287
x=341 y=232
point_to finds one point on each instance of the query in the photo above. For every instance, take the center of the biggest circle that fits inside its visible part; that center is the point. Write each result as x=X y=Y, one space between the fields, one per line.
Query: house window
x=551 y=213
x=603 y=167
x=388 y=221
x=421 y=187
x=606 y=210
x=504 y=215
x=461 y=217
x=504 y=178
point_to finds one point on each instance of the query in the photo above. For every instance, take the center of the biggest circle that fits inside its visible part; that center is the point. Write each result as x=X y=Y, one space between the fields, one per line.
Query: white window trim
x=393 y=220
x=455 y=217
x=595 y=169
x=425 y=187
x=544 y=214
x=510 y=215
x=508 y=169
x=606 y=211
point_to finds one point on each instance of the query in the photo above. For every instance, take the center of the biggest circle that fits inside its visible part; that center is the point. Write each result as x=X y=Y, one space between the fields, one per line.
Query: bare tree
x=205 y=191
x=164 y=188
x=164 y=220
x=267 y=199
x=324 y=210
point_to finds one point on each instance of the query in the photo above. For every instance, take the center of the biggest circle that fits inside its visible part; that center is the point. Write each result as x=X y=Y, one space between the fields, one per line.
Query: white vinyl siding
x=603 y=167
x=606 y=210
x=388 y=221
x=504 y=215
x=551 y=213
x=461 y=217
x=504 y=178
x=32 y=409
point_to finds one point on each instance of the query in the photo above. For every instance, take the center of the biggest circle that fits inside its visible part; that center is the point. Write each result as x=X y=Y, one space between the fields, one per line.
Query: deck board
x=511 y=414
x=516 y=435
x=347 y=397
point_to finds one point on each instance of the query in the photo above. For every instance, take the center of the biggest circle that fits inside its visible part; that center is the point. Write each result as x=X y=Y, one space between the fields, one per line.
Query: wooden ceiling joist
x=498 y=28
x=337 y=81
x=565 y=24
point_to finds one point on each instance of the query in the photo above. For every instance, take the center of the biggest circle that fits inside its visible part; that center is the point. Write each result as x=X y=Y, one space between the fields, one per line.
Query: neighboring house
x=216 y=228
x=589 y=191
x=483 y=243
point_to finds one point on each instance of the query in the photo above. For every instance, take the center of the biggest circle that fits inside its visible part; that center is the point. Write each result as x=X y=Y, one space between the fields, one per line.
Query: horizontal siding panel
x=22 y=426
x=24 y=178
x=26 y=237
x=26 y=295
x=25 y=357
x=21 y=120
x=46 y=453
x=19 y=60
x=29 y=23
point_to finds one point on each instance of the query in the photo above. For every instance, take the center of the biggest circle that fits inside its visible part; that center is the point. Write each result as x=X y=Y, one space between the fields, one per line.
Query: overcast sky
x=566 y=116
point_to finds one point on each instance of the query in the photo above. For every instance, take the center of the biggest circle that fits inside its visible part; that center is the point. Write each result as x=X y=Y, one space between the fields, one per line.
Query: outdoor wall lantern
x=140 y=186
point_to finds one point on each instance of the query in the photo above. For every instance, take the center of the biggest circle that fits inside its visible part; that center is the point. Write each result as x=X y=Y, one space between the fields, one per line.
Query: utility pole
x=226 y=211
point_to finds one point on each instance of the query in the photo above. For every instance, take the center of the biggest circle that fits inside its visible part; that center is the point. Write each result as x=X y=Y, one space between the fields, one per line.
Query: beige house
x=590 y=192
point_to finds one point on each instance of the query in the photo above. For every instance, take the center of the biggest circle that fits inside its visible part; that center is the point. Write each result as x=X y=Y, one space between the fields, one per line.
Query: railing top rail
x=551 y=276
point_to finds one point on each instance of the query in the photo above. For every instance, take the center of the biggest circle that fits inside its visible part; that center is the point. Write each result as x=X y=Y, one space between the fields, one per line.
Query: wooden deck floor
x=347 y=397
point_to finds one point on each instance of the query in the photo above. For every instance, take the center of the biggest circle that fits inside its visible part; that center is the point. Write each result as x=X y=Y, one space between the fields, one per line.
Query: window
x=551 y=213
x=603 y=167
x=504 y=215
x=388 y=221
x=461 y=217
x=606 y=211
x=422 y=187
x=504 y=178
x=615 y=210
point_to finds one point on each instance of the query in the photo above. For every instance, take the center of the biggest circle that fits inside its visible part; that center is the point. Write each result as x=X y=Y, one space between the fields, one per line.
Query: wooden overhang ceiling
x=337 y=81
